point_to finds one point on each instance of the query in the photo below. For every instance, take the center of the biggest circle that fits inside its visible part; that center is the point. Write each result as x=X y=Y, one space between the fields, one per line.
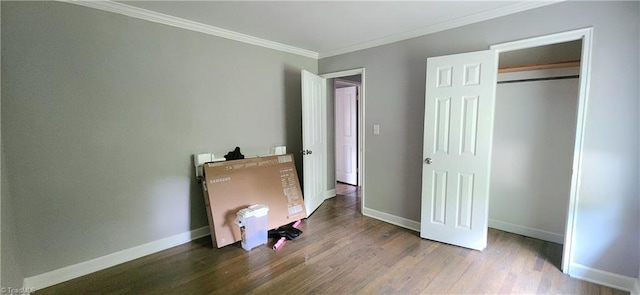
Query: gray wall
x=10 y=267
x=101 y=114
x=607 y=229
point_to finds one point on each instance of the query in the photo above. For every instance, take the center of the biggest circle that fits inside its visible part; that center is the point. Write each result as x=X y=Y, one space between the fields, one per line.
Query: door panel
x=314 y=107
x=443 y=110
x=459 y=105
x=439 y=180
x=346 y=135
x=469 y=124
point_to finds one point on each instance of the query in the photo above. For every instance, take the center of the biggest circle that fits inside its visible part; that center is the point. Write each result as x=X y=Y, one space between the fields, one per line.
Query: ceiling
x=335 y=27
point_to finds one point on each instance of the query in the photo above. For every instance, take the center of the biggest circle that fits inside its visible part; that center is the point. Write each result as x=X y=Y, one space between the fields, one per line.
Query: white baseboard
x=330 y=194
x=386 y=217
x=604 y=278
x=527 y=231
x=83 y=268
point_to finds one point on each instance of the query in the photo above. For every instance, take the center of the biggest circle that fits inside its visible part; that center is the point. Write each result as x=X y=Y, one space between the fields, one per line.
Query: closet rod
x=553 y=65
x=539 y=79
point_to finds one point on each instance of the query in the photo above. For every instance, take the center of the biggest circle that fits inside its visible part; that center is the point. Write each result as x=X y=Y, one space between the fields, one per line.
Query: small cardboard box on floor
x=234 y=185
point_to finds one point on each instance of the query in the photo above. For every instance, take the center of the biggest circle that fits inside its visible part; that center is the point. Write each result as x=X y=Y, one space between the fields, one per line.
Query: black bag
x=234 y=155
x=287 y=231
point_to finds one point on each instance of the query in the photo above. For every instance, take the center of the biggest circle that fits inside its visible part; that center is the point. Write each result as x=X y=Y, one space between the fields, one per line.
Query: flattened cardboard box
x=234 y=185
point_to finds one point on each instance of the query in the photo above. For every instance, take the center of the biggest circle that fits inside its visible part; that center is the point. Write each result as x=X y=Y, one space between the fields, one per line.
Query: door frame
x=586 y=35
x=358 y=86
x=361 y=121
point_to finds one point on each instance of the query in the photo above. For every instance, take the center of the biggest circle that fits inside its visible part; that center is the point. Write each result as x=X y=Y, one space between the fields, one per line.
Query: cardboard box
x=234 y=185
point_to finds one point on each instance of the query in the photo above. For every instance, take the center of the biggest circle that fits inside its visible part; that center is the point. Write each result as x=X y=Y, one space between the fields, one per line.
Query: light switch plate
x=376 y=129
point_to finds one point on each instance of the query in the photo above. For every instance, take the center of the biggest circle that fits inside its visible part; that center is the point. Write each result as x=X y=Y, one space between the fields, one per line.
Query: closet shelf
x=555 y=65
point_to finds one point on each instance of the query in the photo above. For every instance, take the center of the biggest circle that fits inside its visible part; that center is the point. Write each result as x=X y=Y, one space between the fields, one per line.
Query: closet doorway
x=538 y=133
x=534 y=131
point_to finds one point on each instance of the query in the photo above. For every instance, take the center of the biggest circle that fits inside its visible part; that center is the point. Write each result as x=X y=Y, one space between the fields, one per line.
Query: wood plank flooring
x=343 y=252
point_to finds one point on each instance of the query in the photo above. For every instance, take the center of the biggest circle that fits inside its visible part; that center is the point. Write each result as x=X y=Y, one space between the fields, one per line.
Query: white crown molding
x=454 y=23
x=177 y=22
x=132 y=11
x=70 y=272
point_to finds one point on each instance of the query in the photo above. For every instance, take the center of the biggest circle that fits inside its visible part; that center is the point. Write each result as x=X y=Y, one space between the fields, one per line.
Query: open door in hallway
x=346 y=135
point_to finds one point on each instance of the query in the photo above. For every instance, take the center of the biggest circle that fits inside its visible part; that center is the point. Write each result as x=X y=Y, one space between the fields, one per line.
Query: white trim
x=83 y=268
x=527 y=231
x=636 y=289
x=393 y=219
x=458 y=22
x=330 y=194
x=361 y=139
x=604 y=278
x=361 y=129
x=341 y=74
x=543 y=40
x=177 y=22
x=586 y=35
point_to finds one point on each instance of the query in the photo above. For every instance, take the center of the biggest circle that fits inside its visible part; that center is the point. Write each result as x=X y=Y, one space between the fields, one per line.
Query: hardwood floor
x=343 y=252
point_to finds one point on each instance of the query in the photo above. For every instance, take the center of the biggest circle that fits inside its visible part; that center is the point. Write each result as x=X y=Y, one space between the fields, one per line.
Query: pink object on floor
x=281 y=241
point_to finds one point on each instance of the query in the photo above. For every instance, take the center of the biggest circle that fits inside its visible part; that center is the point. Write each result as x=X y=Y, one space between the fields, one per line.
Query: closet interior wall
x=534 y=131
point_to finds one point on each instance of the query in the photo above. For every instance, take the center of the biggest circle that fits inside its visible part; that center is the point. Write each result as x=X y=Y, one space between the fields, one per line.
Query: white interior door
x=458 y=127
x=314 y=116
x=346 y=135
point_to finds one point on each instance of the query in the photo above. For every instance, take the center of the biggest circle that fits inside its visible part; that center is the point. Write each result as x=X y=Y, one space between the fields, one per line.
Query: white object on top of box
x=258 y=210
x=199 y=160
x=279 y=150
